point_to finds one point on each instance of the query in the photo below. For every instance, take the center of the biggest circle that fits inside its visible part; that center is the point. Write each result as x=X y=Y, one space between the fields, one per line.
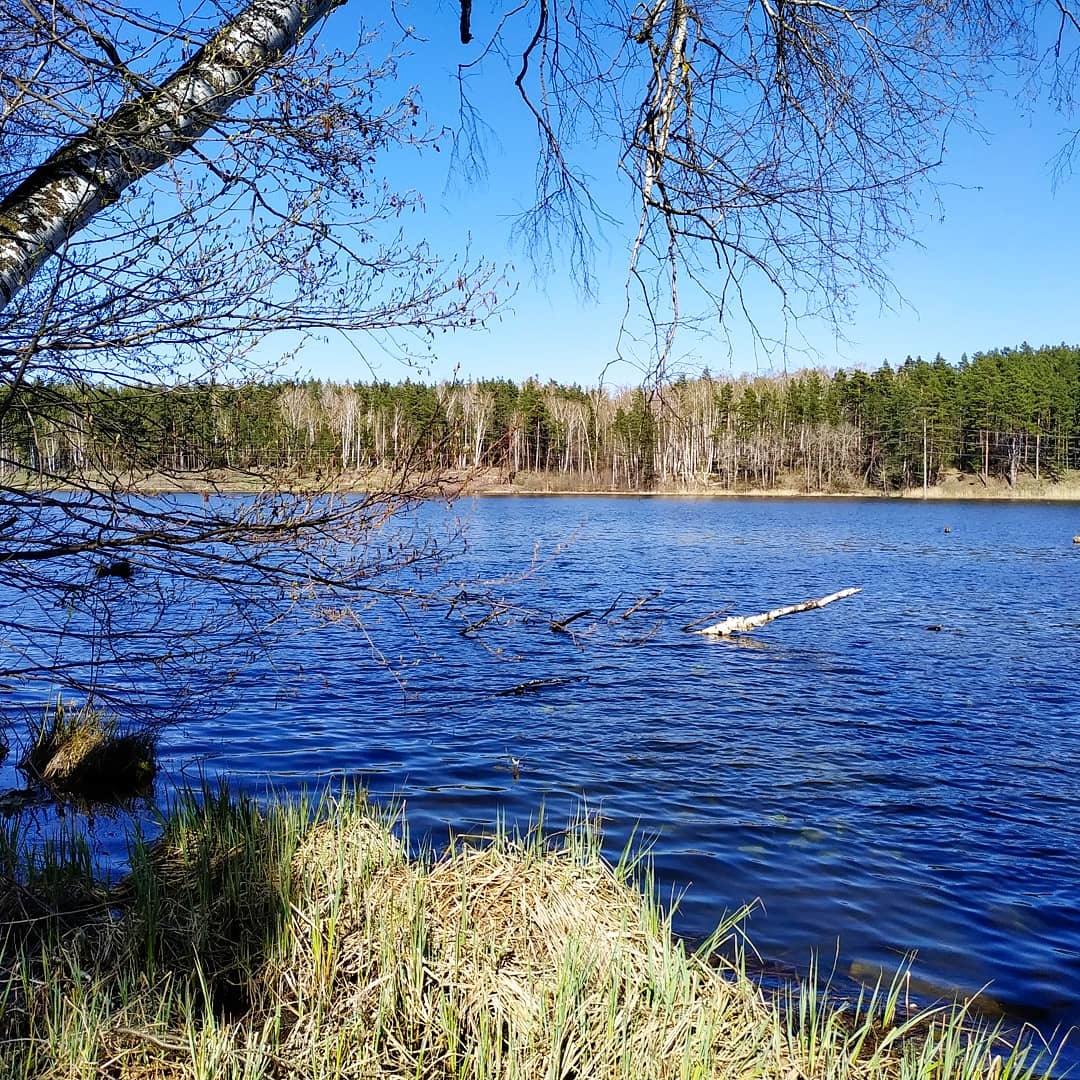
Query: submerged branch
x=532 y=685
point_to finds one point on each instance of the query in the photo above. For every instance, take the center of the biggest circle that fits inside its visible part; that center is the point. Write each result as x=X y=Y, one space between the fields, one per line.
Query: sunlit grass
x=303 y=941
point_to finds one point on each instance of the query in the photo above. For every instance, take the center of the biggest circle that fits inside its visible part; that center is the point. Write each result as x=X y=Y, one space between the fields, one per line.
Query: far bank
x=453 y=484
x=450 y=484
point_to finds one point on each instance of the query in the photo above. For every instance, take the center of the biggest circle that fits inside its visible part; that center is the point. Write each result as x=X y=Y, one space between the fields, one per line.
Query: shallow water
x=881 y=788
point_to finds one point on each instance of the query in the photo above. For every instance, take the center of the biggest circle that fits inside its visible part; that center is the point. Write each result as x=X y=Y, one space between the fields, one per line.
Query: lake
x=896 y=774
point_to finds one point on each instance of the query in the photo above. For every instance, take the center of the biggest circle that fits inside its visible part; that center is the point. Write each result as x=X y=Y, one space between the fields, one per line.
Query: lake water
x=882 y=788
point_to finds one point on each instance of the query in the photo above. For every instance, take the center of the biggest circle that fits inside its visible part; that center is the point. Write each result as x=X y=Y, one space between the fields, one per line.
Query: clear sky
x=997 y=263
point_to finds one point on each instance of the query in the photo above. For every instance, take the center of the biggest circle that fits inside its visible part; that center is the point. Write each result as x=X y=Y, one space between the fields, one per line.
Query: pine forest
x=995 y=415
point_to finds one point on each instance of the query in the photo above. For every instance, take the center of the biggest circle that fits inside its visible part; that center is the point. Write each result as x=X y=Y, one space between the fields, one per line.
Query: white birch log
x=744 y=624
x=90 y=172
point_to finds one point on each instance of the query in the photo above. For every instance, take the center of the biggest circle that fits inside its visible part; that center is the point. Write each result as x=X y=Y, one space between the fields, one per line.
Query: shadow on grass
x=302 y=941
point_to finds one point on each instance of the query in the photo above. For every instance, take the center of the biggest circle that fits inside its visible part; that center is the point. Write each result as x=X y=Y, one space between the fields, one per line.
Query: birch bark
x=91 y=172
x=745 y=624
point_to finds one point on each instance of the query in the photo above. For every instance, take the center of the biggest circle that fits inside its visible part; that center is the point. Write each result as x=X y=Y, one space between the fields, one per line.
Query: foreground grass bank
x=303 y=941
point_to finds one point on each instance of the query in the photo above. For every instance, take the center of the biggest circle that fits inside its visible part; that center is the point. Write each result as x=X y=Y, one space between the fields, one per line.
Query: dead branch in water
x=712 y=615
x=641 y=603
x=558 y=626
x=532 y=685
x=744 y=624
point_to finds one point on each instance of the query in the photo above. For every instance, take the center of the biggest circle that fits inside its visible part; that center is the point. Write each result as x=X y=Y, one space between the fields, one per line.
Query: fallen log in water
x=744 y=624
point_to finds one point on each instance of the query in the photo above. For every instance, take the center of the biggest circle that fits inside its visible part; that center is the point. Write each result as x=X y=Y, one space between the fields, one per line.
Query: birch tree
x=341 y=405
x=171 y=194
x=477 y=407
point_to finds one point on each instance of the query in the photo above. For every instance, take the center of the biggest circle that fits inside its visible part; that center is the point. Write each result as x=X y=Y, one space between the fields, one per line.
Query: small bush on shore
x=303 y=941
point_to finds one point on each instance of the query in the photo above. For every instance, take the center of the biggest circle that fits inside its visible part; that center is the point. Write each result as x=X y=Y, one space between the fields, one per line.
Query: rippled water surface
x=881 y=787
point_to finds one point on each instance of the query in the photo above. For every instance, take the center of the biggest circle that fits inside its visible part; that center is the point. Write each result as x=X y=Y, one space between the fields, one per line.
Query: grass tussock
x=82 y=752
x=303 y=941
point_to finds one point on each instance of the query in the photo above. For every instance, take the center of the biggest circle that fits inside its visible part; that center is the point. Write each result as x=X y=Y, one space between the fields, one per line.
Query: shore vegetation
x=82 y=752
x=302 y=939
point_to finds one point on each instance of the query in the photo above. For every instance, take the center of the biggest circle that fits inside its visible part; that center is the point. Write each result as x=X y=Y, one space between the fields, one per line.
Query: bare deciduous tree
x=777 y=149
x=170 y=194
x=173 y=192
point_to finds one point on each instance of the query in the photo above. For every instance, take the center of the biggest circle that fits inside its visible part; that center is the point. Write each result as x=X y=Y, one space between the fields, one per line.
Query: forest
x=993 y=415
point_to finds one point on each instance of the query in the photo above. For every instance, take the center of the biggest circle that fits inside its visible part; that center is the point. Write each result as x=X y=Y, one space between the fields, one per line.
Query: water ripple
x=881 y=787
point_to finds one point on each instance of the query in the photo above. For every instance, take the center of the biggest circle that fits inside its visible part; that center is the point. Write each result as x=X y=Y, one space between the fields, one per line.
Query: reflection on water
x=883 y=789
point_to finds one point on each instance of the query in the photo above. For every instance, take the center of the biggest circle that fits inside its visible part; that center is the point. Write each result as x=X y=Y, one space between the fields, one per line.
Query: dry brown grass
x=452 y=484
x=508 y=959
x=80 y=752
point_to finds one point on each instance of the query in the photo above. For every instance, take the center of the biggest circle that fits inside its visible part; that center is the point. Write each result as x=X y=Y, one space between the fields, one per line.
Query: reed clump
x=82 y=752
x=304 y=941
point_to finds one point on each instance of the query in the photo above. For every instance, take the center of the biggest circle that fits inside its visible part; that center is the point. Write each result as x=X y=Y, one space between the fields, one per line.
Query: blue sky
x=996 y=265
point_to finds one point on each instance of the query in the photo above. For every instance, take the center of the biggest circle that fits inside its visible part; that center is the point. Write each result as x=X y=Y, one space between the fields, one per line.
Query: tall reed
x=302 y=940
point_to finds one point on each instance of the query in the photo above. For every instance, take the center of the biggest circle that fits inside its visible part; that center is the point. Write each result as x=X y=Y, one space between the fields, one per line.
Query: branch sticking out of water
x=558 y=626
x=640 y=604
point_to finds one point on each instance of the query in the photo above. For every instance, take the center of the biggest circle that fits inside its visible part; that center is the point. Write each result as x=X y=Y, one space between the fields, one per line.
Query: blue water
x=881 y=788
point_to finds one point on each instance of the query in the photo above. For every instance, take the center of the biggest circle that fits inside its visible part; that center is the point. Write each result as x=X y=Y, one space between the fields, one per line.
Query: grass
x=80 y=751
x=302 y=941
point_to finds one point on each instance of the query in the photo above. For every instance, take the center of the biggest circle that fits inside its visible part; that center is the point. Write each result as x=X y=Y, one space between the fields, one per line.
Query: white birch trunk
x=743 y=624
x=90 y=172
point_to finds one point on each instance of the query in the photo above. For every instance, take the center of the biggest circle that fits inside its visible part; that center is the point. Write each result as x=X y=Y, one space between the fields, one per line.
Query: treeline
x=993 y=415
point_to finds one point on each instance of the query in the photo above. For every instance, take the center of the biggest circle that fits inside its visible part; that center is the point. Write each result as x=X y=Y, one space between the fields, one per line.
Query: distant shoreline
x=956 y=487
x=933 y=494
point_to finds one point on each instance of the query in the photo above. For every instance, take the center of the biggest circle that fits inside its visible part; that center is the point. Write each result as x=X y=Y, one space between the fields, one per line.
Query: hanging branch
x=67 y=191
